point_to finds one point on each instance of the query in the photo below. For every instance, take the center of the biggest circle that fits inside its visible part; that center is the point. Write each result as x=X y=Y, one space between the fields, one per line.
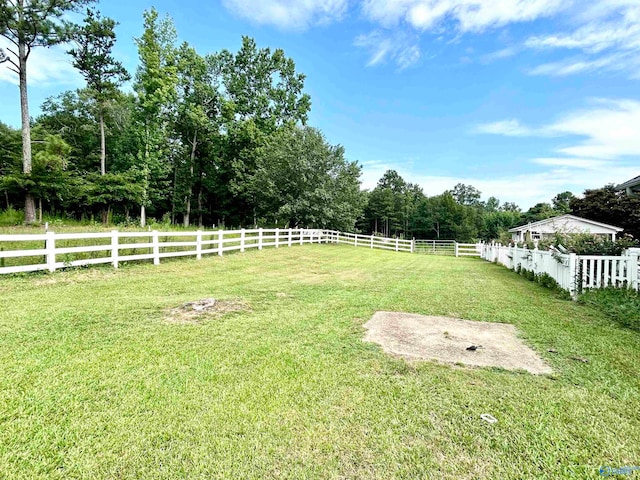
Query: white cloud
x=468 y=15
x=45 y=66
x=611 y=130
x=622 y=31
x=509 y=128
x=573 y=66
x=384 y=47
x=288 y=14
x=609 y=41
x=503 y=53
x=582 y=163
x=605 y=151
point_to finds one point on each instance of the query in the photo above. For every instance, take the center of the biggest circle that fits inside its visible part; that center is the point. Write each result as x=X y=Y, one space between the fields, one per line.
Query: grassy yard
x=95 y=384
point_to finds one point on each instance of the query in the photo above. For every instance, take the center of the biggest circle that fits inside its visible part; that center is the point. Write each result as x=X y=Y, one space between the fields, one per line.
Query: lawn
x=96 y=384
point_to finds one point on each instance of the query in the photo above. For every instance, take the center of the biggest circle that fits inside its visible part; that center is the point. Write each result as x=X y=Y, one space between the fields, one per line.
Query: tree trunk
x=192 y=161
x=187 y=212
x=40 y=210
x=103 y=146
x=143 y=216
x=29 y=203
x=200 y=206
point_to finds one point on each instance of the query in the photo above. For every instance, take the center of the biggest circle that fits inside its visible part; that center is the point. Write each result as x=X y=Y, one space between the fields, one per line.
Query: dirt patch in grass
x=452 y=340
x=201 y=310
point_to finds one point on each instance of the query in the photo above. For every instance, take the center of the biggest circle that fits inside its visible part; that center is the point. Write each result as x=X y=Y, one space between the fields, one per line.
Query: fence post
x=632 y=268
x=242 y=235
x=355 y=240
x=199 y=245
x=156 y=247
x=260 y=239
x=221 y=241
x=573 y=275
x=290 y=239
x=413 y=245
x=50 y=247
x=277 y=237
x=301 y=237
x=114 y=248
x=456 y=247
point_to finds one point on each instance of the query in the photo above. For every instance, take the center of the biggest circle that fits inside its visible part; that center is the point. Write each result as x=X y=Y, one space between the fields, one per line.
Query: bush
x=545 y=280
x=587 y=244
x=620 y=304
x=11 y=217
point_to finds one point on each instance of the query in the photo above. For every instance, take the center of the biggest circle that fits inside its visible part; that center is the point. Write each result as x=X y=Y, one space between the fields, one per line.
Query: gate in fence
x=435 y=247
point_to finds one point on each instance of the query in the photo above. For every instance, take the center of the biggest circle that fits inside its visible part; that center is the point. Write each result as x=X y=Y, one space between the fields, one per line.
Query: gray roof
x=528 y=226
x=633 y=184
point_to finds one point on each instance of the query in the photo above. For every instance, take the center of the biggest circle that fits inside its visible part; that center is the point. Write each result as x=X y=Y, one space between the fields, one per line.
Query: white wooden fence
x=573 y=273
x=51 y=251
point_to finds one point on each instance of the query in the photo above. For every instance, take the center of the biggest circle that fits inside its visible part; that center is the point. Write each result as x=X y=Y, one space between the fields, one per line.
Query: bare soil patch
x=200 y=310
x=451 y=340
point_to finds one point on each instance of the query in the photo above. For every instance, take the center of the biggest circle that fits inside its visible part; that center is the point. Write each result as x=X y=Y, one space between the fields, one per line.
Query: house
x=563 y=224
x=632 y=187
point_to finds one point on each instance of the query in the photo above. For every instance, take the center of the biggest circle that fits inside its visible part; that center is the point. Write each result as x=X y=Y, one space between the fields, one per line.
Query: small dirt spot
x=454 y=341
x=283 y=295
x=200 y=310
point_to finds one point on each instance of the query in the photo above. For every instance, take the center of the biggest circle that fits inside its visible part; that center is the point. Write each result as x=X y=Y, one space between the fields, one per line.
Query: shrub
x=11 y=217
x=587 y=244
x=545 y=280
x=620 y=304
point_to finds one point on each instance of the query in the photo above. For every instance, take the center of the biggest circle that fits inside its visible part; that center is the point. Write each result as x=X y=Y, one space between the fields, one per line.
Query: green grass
x=95 y=384
x=620 y=304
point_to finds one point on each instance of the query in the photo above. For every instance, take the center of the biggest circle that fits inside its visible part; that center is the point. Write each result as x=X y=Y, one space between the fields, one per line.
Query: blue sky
x=521 y=98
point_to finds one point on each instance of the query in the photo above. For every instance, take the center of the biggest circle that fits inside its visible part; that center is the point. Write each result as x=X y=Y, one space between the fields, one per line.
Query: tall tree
x=92 y=57
x=198 y=116
x=264 y=93
x=609 y=206
x=466 y=195
x=156 y=89
x=28 y=24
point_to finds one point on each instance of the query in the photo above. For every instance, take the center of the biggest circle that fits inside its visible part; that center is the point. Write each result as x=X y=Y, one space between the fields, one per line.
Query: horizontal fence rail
x=574 y=273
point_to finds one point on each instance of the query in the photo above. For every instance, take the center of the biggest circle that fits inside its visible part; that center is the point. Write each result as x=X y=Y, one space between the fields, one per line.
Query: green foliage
x=305 y=182
x=588 y=244
x=92 y=57
x=467 y=195
x=544 y=280
x=264 y=86
x=393 y=206
x=606 y=205
x=540 y=211
x=562 y=202
x=11 y=216
x=620 y=304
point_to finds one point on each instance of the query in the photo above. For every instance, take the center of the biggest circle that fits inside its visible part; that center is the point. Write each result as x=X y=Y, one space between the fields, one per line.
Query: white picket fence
x=574 y=273
x=45 y=252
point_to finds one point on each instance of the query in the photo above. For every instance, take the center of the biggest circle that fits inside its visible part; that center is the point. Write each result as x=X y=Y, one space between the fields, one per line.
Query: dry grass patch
x=196 y=312
x=452 y=340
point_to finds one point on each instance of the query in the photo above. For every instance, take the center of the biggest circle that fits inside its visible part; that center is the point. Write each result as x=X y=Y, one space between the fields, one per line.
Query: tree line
x=220 y=138
x=214 y=139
